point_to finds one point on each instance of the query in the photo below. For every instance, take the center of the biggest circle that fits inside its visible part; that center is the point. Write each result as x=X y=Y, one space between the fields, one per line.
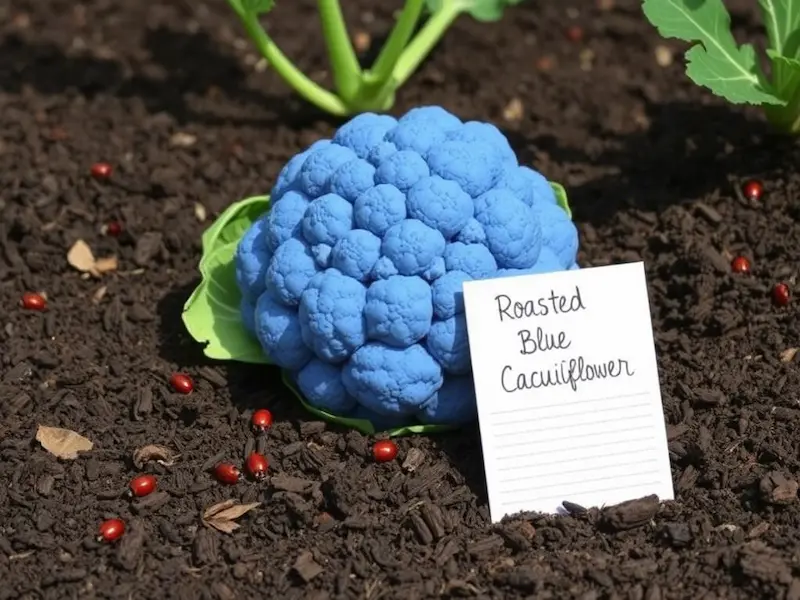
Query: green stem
x=305 y=87
x=398 y=40
x=424 y=42
x=344 y=63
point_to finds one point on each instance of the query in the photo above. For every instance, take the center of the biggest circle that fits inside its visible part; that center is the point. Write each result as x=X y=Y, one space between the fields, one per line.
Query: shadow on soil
x=260 y=386
x=162 y=87
x=674 y=161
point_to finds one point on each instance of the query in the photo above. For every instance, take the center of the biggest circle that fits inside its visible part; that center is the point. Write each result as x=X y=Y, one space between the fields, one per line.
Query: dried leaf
x=219 y=506
x=105 y=265
x=222 y=516
x=81 y=258
x=62 y=443
x=161 y=454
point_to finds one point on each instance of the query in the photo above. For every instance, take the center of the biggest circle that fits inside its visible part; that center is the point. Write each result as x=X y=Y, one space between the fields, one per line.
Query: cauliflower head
x=352 y=281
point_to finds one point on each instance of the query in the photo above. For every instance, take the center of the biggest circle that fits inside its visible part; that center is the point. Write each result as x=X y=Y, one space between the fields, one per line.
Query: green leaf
x=782 y=20
x=716 y=62
x=233 y=222
x=212 y=314
x=561 y=197
x=480 y=10
x=361 y=425
x=786 y=73
x=258 y=7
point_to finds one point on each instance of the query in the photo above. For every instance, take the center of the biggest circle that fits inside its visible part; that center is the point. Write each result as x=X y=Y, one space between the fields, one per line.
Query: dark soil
x=651 y=164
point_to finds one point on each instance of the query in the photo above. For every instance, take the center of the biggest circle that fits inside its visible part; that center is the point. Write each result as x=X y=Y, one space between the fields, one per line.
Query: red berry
x=32 y=301
x=753 y=189
x=111 y=530
x=574 y=33
x=181 y=383
x=143 y=485
x=781 y=294
x=262 y=420
x=113 y=228
x=257 y=465
x=384 y=450
x=227 y=473
x=740 y=264
x=101 y=170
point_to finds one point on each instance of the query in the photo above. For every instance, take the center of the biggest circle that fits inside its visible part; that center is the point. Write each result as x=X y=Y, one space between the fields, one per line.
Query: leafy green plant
x=733 y=71
x=212 y=313
x=374 y=89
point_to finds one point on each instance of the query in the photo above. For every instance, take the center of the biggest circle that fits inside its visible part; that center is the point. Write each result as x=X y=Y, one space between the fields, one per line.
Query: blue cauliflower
x=353 y=281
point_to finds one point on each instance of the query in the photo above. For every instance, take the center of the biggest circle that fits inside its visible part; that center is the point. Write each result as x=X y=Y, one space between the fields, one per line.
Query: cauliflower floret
x=278 y=331
x=440 y=204
x=412 y=246
x=402 y=170
x=285 y=219
x=379 y=208
x=453 y=404
x=392 y=381
x=448 y=343
x=356 y=253
x=353 y=282
x=513 y=234
x=315 y=174
x=398 y=310
x=251 y=260
x=321 y=384
x=289 y=272
x=332 y=315
x=352 y=179
x=327 y=220
x=474 y=167
x=447 y=295
x=364 y=132
x=476 y=260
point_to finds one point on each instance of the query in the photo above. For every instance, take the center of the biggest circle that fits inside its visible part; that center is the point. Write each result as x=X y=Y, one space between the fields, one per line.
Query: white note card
x=569 y=401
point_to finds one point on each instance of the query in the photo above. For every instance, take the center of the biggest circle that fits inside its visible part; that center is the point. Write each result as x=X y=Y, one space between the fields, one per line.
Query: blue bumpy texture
x=353 y=280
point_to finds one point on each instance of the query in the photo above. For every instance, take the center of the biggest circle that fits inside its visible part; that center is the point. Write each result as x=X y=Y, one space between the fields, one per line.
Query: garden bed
x=168 y=94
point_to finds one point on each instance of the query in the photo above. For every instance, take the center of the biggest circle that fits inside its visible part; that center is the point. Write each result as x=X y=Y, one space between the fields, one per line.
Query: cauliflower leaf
x=212 y=313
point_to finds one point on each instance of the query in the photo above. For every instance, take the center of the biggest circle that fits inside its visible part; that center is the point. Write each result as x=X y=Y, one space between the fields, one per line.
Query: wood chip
x=306 y=567
x=514 y=111
x=222 y=516
x=200 y=212
x=63 y=443
x=788 y=354
x=160 y=454
x=182 y=140
x=106 y=265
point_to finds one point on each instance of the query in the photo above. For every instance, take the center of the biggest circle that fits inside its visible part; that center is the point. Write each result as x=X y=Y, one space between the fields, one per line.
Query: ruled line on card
x=647 y=449
x=582 y=446
x=530 y=476
x=583 y=436
x=648 y=472
x=633 y=491
x=512 y=411
x=560 y=415
x=506 y=434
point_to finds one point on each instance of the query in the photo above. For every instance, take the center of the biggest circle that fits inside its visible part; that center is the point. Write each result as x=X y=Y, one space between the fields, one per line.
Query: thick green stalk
x=344 y=63
x=398 y=40
x=296 y=79
x=424 y=42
